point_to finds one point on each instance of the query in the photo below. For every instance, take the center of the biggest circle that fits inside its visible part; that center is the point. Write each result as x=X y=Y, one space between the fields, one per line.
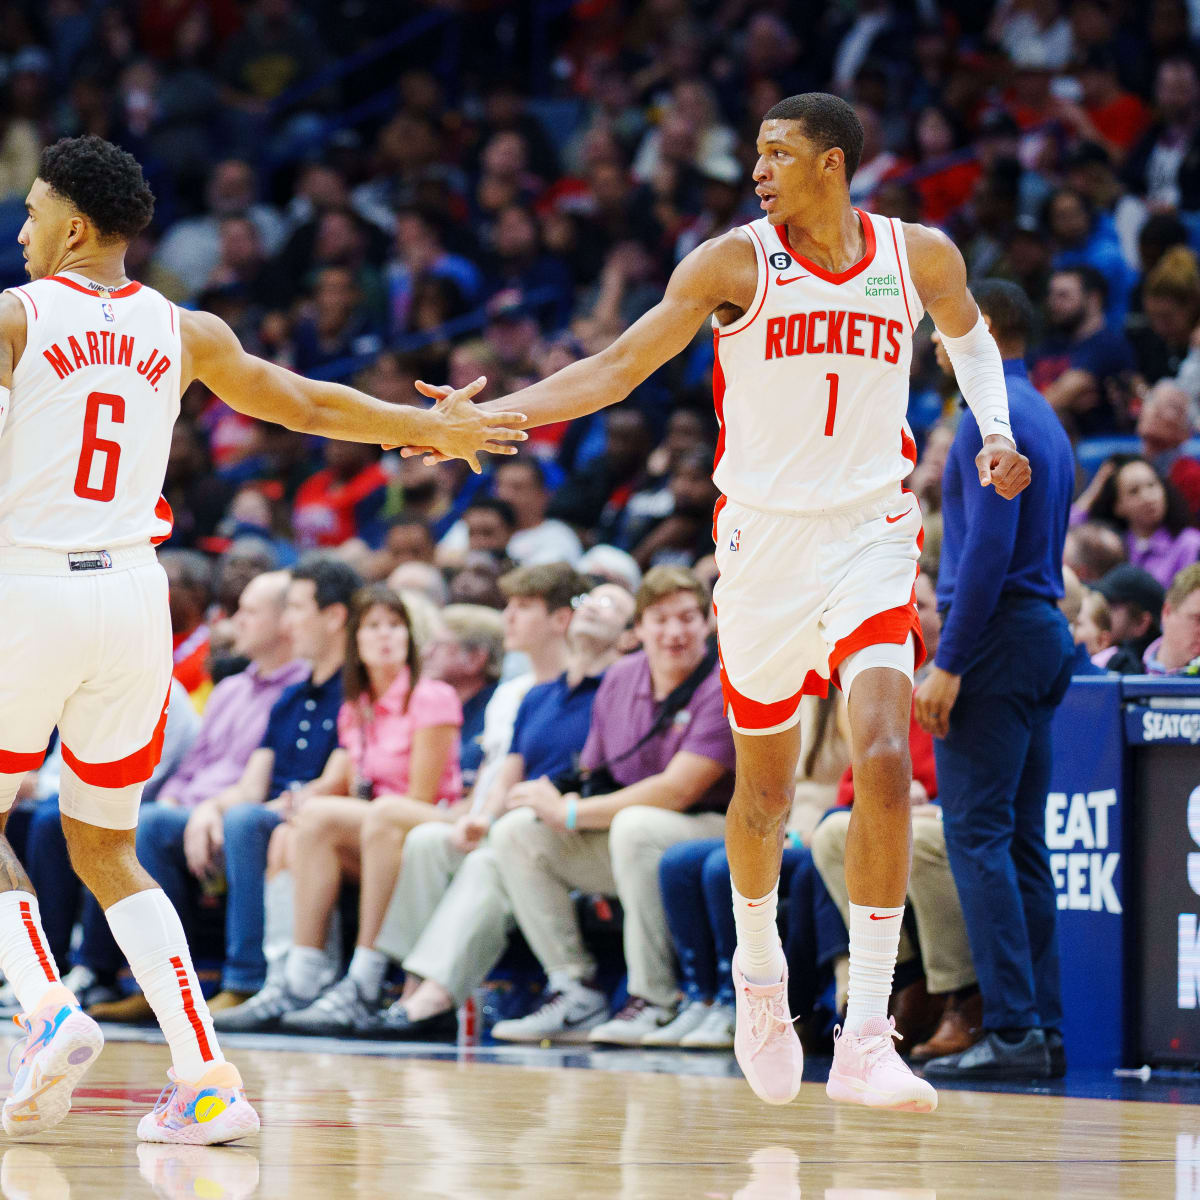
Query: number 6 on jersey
x=93 y=444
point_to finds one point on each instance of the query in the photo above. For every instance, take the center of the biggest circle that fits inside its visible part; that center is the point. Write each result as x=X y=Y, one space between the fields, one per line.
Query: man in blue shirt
x=1002 y=666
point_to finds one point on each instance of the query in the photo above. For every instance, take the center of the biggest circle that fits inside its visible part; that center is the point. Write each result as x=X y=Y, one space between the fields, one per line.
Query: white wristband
x=979 y=370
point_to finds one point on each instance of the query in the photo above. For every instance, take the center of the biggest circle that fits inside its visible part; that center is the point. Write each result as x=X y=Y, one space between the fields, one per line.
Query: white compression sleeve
x=979 y=370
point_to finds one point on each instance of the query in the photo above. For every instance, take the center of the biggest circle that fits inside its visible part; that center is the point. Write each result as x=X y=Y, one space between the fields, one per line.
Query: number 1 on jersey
x=93 y=445
x=831 y=412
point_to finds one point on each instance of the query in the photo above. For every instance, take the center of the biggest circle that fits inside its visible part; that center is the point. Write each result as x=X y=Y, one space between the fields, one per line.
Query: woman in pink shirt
x=397 y=765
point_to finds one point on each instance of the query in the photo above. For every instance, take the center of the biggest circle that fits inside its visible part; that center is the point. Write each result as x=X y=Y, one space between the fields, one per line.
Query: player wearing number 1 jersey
x=813 y=309
x=92 y=367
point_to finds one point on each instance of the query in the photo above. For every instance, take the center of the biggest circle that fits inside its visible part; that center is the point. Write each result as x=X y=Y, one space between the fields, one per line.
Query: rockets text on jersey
x=810 y=384
x=92 y=405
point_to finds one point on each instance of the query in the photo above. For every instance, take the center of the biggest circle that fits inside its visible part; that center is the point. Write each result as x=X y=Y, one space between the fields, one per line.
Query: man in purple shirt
x=235 y=719
x=658 y=726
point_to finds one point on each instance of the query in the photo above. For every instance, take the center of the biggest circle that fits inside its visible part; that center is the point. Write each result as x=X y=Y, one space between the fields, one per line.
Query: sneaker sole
x=846 y=1090
x=569 y=1037
x=56 y=1073
x=706 y=1044
x=237 y=1121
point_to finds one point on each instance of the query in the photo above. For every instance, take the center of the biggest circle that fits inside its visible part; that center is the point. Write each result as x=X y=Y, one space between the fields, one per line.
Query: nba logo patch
x=107 y=310
x=735 y=540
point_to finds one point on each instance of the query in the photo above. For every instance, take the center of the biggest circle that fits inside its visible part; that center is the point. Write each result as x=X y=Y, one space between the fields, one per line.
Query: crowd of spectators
x=378 y=660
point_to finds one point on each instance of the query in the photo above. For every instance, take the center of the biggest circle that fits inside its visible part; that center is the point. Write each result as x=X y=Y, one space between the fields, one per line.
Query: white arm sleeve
x=979 y=370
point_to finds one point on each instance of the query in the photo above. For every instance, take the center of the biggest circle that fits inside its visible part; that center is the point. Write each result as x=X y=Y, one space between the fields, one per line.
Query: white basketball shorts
x=89 y=650
x=799 y=593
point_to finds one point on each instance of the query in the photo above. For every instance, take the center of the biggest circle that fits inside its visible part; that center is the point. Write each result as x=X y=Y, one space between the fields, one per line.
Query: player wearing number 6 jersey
x=813 y=308
x=92 y=367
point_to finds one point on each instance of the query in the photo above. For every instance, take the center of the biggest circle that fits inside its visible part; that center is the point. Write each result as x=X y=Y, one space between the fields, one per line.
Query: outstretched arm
x=455 y=426
x=940 y=277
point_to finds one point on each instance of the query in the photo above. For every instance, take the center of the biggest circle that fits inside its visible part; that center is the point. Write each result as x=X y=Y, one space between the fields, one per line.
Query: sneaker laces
x=879 y=1045
x=634 y=1007
x=768 y=1019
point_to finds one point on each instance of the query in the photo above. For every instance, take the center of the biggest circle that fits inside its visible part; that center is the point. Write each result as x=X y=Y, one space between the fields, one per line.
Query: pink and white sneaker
x=61 y=1044
x=867 y=1070
x=765 y=1042
x=212 y=1110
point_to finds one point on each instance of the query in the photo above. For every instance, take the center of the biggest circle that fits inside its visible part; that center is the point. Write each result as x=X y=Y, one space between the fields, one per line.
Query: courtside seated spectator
x=449 y=917
x=1135 y=600
x=234 y=826
x=468 y=653
x=395 y=766
x=1177 y=651
x=670 y=778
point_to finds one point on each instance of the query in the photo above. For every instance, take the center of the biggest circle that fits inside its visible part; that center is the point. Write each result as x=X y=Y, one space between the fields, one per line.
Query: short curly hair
x=102 y=181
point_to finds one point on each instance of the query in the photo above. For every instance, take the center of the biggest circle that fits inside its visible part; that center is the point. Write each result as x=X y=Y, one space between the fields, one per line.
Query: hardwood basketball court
x=436 y=1122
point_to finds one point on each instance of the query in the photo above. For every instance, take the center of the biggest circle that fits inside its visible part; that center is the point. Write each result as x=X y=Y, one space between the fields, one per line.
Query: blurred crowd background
x=380 y=193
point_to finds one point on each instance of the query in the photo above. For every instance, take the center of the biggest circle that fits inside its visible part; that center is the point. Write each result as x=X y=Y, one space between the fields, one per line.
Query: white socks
x=24 y=956
x=874 y=940
x=150 y=934
x=367 y=969
x=759 y=952
x=305 y=971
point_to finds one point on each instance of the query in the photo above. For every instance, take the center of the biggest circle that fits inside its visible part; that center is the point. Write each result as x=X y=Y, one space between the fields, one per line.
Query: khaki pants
x=449 y=917
x=945 y=951
x=540 y=868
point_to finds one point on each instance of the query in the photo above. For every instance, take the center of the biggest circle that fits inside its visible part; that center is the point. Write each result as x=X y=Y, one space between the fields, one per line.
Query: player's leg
x=41 y=668
x=866 y=1068
x=207 y=1103
x=111 y=729
x=766 y=1045
x=61 y=1041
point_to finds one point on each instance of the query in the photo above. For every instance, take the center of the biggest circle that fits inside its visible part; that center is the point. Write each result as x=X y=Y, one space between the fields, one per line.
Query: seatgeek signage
x=1084 y=835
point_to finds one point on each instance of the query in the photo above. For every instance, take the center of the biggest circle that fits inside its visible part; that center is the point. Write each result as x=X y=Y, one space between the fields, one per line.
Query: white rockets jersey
x=811 y=382
x=94 y=399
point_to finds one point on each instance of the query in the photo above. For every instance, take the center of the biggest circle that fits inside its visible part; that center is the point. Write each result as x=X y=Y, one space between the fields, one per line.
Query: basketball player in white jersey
x=92 y=367
x=813 y=309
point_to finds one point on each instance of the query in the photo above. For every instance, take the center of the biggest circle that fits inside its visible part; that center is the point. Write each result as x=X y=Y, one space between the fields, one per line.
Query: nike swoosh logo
x=893 y=520
x=780 y=281
x=751 y=904
x=889 y=917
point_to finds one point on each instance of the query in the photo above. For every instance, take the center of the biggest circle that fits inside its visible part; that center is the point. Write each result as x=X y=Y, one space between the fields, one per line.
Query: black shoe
x=1057 y=1052
x=994 y=1058
x=394 y=1024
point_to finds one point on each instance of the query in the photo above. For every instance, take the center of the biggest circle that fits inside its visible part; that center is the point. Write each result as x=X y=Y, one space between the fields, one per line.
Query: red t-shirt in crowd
x=324 y=513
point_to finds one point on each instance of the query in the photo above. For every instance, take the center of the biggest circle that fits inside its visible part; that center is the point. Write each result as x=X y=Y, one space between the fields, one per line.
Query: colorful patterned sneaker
x=213 y=1109
x=765 y=1043
x=61 y=1043
x=867 y=1070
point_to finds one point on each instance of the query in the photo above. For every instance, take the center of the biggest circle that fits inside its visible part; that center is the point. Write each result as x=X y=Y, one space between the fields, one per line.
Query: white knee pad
x=108 y=808
x=899 y=657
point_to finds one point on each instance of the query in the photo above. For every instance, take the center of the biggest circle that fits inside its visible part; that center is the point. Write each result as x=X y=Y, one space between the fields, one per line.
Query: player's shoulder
x=935 y=261
x=721 y=270
x=929 y=245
